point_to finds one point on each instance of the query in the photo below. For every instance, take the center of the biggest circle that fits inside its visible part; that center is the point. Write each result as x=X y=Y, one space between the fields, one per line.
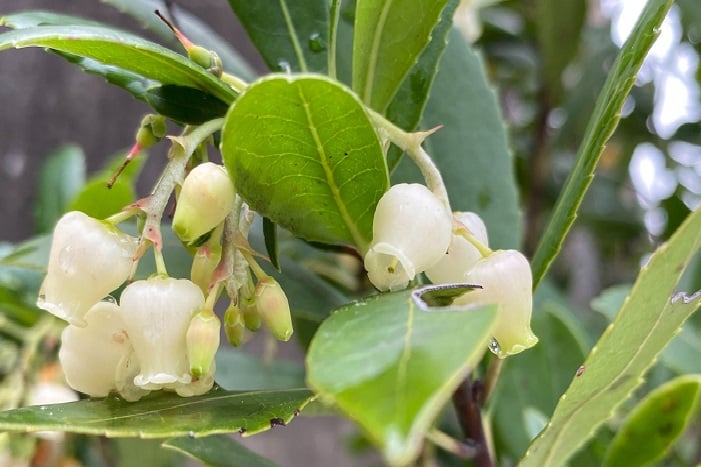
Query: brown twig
x=466 y=402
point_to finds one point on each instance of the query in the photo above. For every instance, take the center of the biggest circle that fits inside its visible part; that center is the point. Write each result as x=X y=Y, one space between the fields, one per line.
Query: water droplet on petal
x=110 y=299
x=316 y=43
x=494 y=346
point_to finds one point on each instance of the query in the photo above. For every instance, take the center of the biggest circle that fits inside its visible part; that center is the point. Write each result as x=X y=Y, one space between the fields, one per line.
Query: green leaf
x=389 y=36
x=655 y=424
x=650 y=317
x=303 y=153
x=391 y=366
x=193 y=27
x=125 y=51
x=601 y=125
x=61 y=178
x=98 y=201
x=287 y=33
x=471 y=149
x=408 y=104
x=36 y=18
x=243 y=372
x=164 y=415
x=559 y=27
x=185 y=104
x=218 y=451
x=270 y=236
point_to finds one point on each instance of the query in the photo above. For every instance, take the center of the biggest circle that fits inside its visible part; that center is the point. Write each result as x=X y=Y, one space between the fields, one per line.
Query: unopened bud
x=249 y=310
x=202 y=340
x=206 y=197
x=204 y=263
x=234 y=325
x=273 y=308
x=151 y=130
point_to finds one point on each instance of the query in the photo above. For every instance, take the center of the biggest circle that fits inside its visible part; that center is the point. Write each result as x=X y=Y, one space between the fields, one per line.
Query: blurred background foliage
x=548 y=60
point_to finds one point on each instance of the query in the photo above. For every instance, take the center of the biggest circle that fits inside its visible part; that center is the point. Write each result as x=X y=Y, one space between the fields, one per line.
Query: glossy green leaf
x=98 y=201
x=389 y=37
x=650 y=317
x=36 y=18
x=125 y=51
x=243 y=372
x=655 y=424
x=218 y=451
x=194 y=28
x=408 y=104
x=601 y=125
x=185 y=104
x=559 y=27
x=270 y=236
x=288 y=34
x=303 y=153
x=391 y=366
x=471 y=149
x=535 y=380
x=61 y=178
x=164 y=415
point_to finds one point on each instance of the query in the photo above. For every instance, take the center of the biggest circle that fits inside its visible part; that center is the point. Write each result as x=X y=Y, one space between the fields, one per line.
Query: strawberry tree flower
x=462 y=254
x=411 y=232
x=273 y=308
x=88 y=260
x=98 y=358
x=206 y=197
x=505 y=277
x=157 y=313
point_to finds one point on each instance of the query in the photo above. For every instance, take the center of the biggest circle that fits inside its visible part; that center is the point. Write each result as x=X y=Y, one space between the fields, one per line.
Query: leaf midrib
x=374 y=52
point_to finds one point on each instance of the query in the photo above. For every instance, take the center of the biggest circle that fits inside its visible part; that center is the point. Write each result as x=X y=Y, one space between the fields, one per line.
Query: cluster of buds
x=162 y=334
x=414 y=232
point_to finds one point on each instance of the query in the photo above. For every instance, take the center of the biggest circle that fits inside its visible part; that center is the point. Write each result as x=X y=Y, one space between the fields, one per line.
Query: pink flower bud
x=88 y=260
x=411 y=232
x=273 y=308
x=206 y=197
x=462 y=255
x=505 y=277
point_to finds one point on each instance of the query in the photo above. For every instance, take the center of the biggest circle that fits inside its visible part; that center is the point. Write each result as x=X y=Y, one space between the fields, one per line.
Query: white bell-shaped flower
x=88 y=260
x=96 y=359
x=157 y=313
x=411 y=232
x=206 y=197
x=462 y=255
x=506 y=280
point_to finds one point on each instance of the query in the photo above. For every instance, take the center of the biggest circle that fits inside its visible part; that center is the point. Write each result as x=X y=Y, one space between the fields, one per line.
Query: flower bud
x=274 y=308
x=88 y=260
x=462 y=255
x=151 y=130
x=96 y=358
x=202 y=340
x=505 y=277
x=206 y=197
x=204 y=263
x=234 y=325
x=157 y=313
x=411 y=232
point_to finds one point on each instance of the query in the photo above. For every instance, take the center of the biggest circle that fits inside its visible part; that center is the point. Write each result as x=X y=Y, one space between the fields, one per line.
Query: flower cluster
x=414 y=232
x=163 y=333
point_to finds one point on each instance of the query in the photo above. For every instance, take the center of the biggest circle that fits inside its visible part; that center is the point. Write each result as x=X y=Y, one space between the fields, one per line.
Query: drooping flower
x=98 y=358
x=206 y=197
x=157 y=313
x=411 y=232
x=506 y=280
x=462 y=255
x=88 y=260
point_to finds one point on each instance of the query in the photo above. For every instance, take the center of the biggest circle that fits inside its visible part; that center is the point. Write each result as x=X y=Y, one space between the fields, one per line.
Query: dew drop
x=42 y=407
x=191 y=434
x=494 y=346
x=284 y=65
x=316 y=43
x=110 y=299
